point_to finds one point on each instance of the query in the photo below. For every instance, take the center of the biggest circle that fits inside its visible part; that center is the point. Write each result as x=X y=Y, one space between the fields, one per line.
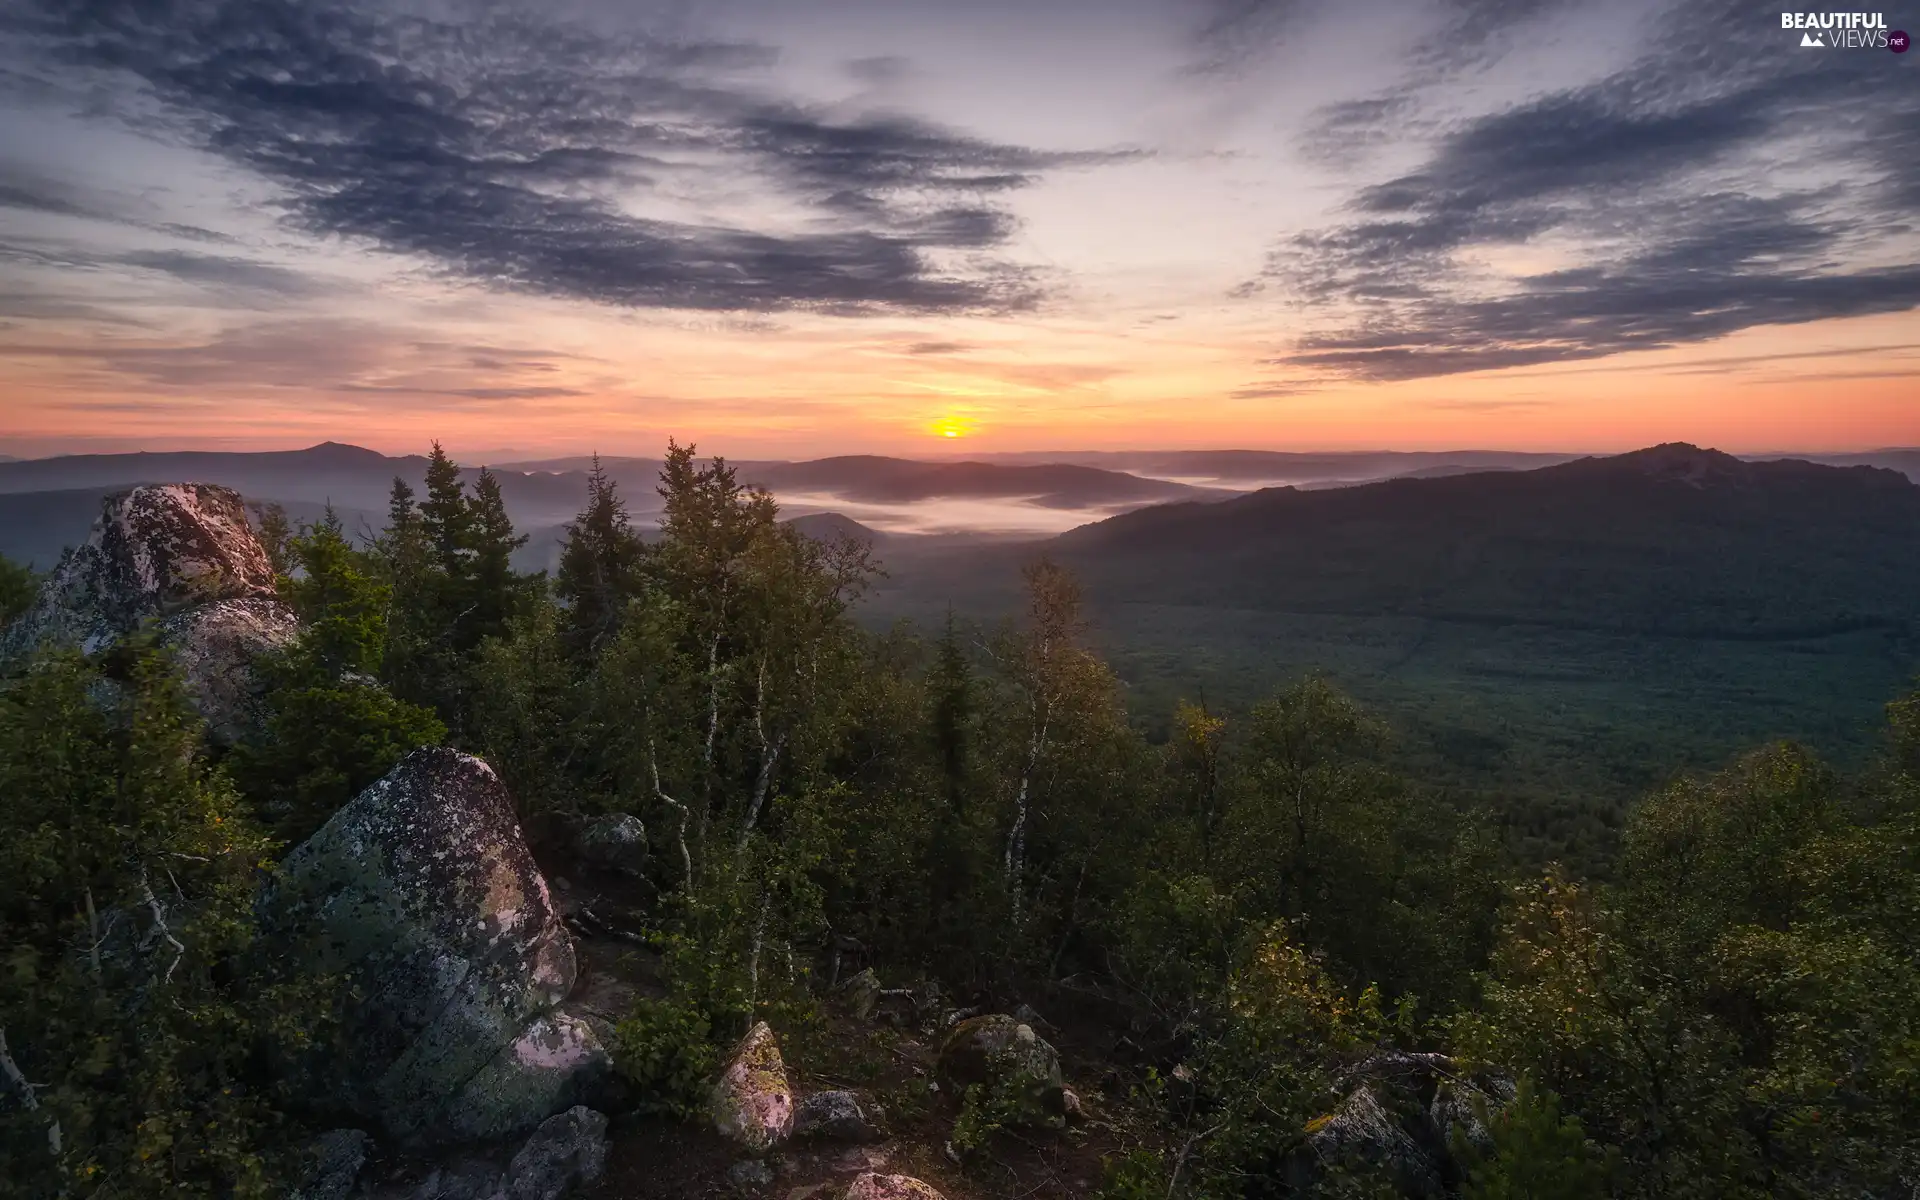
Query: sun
x=952 y=427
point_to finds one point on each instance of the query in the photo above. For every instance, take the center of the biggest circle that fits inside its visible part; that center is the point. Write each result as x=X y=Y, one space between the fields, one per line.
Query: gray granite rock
x=566 y=1152
x=422 y=891
x=752 y=1103
x=182 y=559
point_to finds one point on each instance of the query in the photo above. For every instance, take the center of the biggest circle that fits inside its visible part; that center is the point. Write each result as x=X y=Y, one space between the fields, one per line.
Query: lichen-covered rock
x=998 y=1053
x=617 y=842
x=566 y=1152
x=862 y=993
x=1364 y=1132
x=422 y=891
x=750 y=1175
x=183 y=557
x=753 y=1103
x=334 y=1159
x=153 y=551
x=216 y=645
x=837 y=1115
x=873 y=1186
x=555 y=1063
x=1457 y=1108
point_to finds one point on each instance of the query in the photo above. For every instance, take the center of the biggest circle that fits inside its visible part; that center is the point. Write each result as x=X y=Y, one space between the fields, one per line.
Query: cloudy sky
x=797 y=227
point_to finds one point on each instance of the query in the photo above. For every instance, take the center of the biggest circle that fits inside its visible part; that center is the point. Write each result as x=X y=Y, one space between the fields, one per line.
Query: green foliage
x=666 y=1048
x=600 y=563
x=131 y=998
x=1739 y=1017
x=18 y=588
x=1536 y=1153
x=448 y=563
x=323 y=744
x=331 y=729
x=275 y=533
x=343 y=603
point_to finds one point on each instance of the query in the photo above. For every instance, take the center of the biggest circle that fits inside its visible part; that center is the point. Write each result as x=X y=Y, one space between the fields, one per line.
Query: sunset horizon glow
x=848 y=227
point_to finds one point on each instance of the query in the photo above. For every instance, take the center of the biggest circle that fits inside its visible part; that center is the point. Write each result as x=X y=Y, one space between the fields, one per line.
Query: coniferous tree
x=599 y=565
x=331 y=729
x=274 y=532
x=496 y=588
x=952 y=688
x=446 y=519
x=17 y=589
x=402 y=556
x=135 y=1008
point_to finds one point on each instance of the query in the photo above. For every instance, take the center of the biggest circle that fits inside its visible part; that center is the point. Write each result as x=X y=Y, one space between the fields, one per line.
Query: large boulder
x=566 y=1152
x=999 y=1054
x=1401 y=1115
x=334 y=1159
x=153 y=551
x=182 y=558
x=1365 y=1132
x=216 y=645
x=752 y=1102
x=421 y=892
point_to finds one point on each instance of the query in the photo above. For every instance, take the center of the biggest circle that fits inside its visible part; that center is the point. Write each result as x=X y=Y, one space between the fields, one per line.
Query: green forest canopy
x=1736 y=1012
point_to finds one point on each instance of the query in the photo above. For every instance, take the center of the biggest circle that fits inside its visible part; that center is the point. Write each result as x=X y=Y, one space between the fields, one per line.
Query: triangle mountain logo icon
x=1812 y=39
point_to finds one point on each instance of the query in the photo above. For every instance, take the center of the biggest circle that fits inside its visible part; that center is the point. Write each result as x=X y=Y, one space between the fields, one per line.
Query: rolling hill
x=1557 y=640
x=1672 y=540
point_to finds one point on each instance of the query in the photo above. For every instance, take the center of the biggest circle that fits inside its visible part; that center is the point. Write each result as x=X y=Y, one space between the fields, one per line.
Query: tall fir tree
x=599 y=565
x=446 y=517
x=496 y=588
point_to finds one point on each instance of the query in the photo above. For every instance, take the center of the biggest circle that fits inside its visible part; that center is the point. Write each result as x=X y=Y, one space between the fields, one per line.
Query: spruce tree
x=599 y=565
x=496 y=588
x=447 y=517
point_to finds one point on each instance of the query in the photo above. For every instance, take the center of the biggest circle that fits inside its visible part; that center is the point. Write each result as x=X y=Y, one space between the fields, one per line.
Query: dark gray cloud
x=514 y=151
x=1664 y=181
x=222 y=271
x=1228 y=34
x=25 y=191
x=939 y=348
x=878 y=70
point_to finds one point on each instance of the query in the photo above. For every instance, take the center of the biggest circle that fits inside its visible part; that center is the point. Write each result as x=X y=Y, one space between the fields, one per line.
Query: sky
x=791 y=228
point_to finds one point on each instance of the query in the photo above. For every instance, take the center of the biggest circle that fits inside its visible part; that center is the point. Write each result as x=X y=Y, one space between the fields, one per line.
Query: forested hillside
x=1027 y=949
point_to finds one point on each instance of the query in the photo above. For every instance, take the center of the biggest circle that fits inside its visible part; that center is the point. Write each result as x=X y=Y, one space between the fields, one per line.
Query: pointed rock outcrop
x=182 y=557
x=422 y=892
x=753 y=1103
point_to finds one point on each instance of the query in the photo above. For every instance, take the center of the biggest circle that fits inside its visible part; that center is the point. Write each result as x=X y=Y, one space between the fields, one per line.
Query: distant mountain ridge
x=1668 y=540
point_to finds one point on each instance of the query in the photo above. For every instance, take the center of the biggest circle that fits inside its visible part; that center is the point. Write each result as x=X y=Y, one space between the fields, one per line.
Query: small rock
x=752 y=1103
x=1074 y=1110
x=750 y=1175
x=617 y=842
x=566 y=1152
x=837 y=1115
x=807 y=1192
x=890 y=1187
x=998 y=1052
x=469 y=1179
x=337 y=1156
x=862 y=992
x=1025 y=1014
